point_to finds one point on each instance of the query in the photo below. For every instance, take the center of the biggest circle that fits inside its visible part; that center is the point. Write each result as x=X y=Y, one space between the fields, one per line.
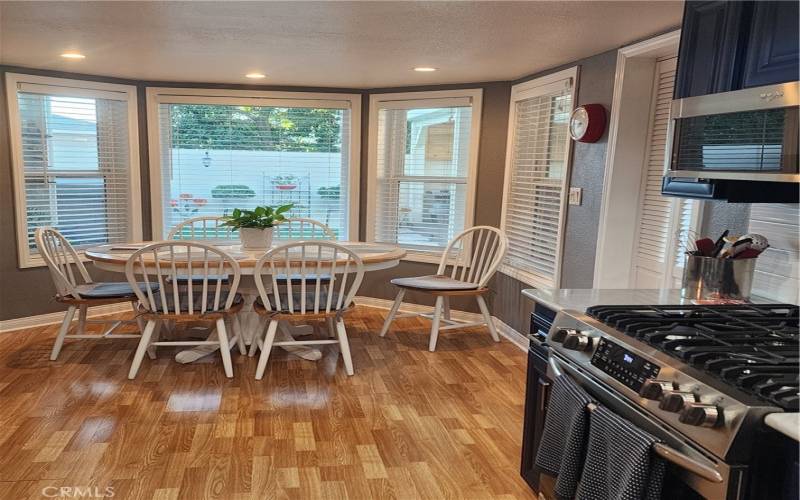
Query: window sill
x=34 y=261
x=420 y=256
x=526 y=277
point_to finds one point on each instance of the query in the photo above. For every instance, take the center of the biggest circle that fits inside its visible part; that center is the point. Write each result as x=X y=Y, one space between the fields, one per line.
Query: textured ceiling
x=333 y=44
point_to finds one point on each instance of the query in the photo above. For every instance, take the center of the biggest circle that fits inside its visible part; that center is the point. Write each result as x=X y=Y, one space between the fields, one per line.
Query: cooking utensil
x=704 y=247
x=719 y=244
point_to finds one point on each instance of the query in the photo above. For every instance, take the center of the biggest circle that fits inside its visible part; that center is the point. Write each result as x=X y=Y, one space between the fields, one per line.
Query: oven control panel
x=625 y=366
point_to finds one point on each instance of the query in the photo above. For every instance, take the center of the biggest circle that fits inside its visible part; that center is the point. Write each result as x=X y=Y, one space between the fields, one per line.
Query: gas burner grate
x=752 y=346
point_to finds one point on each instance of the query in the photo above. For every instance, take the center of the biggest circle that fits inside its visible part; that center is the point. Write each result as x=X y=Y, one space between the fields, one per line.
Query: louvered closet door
x=661 y=219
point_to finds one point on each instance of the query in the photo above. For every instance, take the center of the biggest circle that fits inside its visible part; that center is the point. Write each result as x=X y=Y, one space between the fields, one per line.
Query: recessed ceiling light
x=424 y=69
x=73 y=55
x=255 y=76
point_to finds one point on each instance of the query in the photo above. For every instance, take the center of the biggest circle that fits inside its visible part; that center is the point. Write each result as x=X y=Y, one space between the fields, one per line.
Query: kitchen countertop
x=786 y=423
x=580 y=298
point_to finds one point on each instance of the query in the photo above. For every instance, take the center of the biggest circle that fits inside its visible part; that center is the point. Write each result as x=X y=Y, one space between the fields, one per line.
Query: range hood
x=739 y=146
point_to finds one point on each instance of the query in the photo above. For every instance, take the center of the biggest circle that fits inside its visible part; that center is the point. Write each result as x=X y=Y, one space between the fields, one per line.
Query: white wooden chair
x=480 y=249
x=299 y=228
x=205 y=227
x=78 y=291
x=203 y=297
x=309 y=280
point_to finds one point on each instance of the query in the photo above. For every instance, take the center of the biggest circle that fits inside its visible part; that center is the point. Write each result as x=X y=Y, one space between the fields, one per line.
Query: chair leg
x=237 y=330
x=266 y=348
x=344 y=345
x=488 y=318
x=139 y=320
x=331 y=327
x=437 y=316
x=82 y=313
x=257 y=336
x=446 y=311
x=398 y=301
x=62 y=332
x=144 y=343
x=224 y=347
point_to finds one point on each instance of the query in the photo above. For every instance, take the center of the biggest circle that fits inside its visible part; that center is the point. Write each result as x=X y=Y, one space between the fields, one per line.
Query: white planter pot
x=255 y=238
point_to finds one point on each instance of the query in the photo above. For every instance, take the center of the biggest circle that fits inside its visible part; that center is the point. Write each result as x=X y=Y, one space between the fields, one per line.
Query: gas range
x=711 y=373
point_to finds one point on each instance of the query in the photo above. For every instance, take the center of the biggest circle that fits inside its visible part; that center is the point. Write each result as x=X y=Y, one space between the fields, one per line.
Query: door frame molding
x=627 y=144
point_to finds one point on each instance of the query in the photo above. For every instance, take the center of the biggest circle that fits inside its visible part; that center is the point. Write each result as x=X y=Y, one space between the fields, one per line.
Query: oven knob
x=674 y=401
x=700 y=414
x=578 y=342
x=655 y=389
x=560 y=334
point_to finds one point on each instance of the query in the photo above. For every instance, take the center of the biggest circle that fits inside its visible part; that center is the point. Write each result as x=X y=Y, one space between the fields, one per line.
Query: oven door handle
x=667 y=453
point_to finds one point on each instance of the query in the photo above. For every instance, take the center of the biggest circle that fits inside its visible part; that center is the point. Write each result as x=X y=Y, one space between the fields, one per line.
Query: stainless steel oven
x=693 y=473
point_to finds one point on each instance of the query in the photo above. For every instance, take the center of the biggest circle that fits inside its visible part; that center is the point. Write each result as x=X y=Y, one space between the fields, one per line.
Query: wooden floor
x=409 y=424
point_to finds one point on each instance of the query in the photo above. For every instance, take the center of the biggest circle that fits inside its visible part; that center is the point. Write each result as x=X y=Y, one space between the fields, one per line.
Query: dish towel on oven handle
x=620 y=464
x=562 y=448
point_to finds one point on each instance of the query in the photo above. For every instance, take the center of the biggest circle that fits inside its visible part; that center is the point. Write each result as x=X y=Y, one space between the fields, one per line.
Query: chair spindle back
x=481 y=249
x=201 y=228
x=299 y=228
x=201 y=270
x=60 y=257
x=309 y=277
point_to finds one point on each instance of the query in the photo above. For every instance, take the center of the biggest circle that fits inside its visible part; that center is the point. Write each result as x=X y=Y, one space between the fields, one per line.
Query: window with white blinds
x=219 y=153
x=537 y=173
x=75 y=161
x=423 y=156
x=663 y=223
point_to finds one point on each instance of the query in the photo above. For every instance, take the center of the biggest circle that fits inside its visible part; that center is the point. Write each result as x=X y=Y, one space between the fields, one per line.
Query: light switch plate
x=575 y=196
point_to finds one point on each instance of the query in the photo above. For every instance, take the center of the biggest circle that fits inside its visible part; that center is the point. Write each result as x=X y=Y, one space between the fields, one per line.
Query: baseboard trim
x=9 y=325
x=503 y=329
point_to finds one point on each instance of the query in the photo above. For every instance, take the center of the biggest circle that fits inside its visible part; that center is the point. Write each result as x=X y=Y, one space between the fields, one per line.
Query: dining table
x=375 y=256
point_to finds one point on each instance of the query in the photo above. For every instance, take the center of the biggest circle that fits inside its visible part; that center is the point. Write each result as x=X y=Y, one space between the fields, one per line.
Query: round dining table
x=375 y=256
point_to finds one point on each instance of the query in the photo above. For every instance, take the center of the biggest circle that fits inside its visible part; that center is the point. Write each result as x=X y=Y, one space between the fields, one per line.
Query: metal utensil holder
x=708 y=278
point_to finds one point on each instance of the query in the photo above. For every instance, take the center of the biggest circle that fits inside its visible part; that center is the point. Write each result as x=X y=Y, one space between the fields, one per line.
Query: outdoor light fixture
x=255 y=76
x=73 y=55
x=424 y=69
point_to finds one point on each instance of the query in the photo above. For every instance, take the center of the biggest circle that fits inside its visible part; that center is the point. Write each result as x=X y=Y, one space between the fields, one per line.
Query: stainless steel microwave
x=741 y=144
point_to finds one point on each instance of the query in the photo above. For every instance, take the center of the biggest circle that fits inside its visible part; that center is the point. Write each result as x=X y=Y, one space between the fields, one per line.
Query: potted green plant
x=284 y=182
x=256 y=226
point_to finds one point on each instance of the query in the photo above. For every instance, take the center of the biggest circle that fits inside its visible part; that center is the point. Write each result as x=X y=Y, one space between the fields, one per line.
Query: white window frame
x=382 y=101
x=175 y=95
x=520 y=92
x=80 y=88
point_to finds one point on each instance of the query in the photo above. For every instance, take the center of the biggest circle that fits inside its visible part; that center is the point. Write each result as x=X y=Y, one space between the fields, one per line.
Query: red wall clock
x=587 y=123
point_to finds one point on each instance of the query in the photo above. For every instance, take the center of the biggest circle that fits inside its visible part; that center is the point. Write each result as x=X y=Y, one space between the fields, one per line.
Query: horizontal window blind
x=422 y=171
x=217 y=157
x=76 y=166
x=534 y=198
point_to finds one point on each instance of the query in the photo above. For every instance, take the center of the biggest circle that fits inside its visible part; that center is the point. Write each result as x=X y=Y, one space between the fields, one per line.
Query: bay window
x=423 y=158
x=219 y=150
x=75 y=161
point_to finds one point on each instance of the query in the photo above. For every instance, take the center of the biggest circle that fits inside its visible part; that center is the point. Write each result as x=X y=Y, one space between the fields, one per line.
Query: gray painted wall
x=595 y=85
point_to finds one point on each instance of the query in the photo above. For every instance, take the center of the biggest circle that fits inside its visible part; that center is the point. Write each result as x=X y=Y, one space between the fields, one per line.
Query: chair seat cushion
x=113 y=290
x=309 y=309
x=197 y=300
x=434 y=282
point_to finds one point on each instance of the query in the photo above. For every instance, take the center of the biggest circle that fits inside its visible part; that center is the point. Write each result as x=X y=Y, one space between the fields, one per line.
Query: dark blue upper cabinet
x=772 y=48
x=711 y=37
x=732 y=45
